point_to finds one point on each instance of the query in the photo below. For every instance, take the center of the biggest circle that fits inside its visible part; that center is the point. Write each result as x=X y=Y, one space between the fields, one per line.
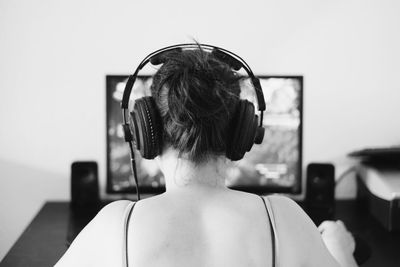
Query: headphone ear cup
x=146 y=122
x=244 y=130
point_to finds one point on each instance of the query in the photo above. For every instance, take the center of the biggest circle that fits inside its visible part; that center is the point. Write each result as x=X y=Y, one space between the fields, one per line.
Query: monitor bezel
x=250 y=189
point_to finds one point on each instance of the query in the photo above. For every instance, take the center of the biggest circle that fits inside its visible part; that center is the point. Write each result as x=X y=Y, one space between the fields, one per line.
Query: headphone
x=145 y=128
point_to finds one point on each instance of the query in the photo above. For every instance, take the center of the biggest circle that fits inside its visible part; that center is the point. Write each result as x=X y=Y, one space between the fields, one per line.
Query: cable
x=133 y=166
x=345 y=173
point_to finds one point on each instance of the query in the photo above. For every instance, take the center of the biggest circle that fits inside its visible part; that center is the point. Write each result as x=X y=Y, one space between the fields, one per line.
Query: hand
x=339 y=242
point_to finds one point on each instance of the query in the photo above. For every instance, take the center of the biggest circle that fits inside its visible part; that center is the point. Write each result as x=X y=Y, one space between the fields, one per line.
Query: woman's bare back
x=222 y=229
x=228 y=228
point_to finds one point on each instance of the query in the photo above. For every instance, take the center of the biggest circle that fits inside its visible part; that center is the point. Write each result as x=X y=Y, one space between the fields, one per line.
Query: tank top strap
x=127 y=217
x=271 y=218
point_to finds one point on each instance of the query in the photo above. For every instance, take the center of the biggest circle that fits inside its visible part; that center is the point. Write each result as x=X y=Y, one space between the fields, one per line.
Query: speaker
x=84 y=186
x=320 y=191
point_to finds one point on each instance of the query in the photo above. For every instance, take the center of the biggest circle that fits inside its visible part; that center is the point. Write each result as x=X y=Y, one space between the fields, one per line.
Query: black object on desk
x=44 y=241
x=319 y=201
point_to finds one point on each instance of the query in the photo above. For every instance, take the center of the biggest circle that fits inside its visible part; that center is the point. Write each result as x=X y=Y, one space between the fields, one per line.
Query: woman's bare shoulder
x=100 y=237
x=297 y=233
x=110 y=215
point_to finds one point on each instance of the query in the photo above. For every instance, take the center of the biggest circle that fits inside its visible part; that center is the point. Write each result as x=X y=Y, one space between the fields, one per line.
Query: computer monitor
x=275 y=166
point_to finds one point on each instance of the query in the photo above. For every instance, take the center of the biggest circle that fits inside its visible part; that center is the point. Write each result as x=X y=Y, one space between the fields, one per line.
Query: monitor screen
x=274 y=166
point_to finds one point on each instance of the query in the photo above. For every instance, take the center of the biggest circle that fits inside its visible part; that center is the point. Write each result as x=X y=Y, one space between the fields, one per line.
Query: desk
x=44 y=240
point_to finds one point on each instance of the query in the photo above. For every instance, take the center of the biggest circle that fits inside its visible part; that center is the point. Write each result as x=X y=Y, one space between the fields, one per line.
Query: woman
x=198 y=221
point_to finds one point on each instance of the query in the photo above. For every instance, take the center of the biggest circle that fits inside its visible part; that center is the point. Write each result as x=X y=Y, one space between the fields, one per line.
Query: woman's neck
x=184 y=175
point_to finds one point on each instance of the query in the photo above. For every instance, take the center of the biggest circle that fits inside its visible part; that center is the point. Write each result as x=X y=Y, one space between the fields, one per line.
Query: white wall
x=54 y=56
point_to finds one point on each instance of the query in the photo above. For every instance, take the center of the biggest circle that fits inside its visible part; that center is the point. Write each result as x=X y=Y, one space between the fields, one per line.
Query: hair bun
x=196 y=94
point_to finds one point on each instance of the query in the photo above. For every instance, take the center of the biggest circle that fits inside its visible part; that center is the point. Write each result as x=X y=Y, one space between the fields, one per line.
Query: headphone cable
x=133 y=166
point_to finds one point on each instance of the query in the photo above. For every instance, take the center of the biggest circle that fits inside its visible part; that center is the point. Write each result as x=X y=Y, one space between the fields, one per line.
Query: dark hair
x=196 y=95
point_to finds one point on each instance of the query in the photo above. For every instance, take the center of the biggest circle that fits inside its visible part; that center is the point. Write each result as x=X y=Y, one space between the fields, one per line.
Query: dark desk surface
x=45 y=239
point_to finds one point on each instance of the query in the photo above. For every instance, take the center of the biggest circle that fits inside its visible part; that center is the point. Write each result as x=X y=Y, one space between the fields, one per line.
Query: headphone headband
x=236 y=62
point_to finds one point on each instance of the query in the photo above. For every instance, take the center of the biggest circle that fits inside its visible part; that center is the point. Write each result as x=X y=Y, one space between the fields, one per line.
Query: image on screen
x=272 y=166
